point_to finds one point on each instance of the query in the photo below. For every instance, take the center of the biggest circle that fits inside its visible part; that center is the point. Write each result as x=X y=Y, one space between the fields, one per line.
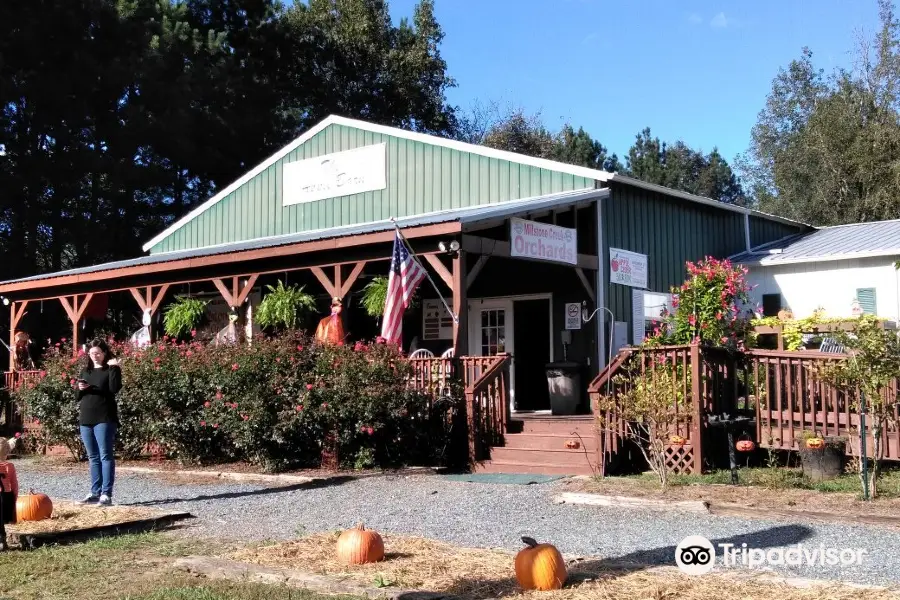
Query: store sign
x=573 y=315
x=437 y=322
x=627 y=268
x=333 y=175
x=530 y=239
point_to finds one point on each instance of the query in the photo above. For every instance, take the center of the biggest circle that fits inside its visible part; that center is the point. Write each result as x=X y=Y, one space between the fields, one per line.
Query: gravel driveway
x=479 y=515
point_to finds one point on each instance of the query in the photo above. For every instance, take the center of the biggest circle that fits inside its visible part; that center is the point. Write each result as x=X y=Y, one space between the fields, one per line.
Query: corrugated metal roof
x=858 y=240
x=469 y=215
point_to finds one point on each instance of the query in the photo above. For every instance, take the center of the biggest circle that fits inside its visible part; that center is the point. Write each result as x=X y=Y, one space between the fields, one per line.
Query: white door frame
x=507 y=303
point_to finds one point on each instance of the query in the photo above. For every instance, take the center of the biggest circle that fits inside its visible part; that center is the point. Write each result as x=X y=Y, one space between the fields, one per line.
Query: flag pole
x=427 y=274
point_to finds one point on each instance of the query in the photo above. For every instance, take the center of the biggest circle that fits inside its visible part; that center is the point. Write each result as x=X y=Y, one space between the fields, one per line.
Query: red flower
x=71 y=382
x=309 y=386
x=359 y=346
x=278 y=360
x=193 y=333
x=188 y=353
x=202 y=423
x=299 y=348
x=63 y=340
x=234 y=405
x=298 y=408
x=245 y=417
x=215 y=425
x=235 y=367
x=324 y=405
x=207 y=404
x=43 y=374
x=218 y=395
x=18 y=435
x=370 y=431
x=380 y=340
x=340 y=343
x=37 y=422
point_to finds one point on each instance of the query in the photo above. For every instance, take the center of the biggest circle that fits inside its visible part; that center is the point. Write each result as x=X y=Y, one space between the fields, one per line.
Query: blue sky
x=697 y=70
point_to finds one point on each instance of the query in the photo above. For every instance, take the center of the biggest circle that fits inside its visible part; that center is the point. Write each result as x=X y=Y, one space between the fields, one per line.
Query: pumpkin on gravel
x=540 y=566
x=358 y=546
x=33 y=507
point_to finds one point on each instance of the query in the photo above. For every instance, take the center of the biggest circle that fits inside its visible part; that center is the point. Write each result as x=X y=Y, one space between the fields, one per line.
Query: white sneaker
x=104 y=500
x=89 y=499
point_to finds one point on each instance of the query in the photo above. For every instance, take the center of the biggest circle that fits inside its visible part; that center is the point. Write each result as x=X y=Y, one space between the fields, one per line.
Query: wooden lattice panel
x=680 y=460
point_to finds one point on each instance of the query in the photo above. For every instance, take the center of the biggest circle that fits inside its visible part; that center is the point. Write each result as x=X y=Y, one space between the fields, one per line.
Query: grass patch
x=780 y=478
x=136 y=567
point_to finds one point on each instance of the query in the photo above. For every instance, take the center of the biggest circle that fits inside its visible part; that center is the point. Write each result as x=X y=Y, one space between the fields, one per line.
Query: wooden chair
x=422 y=353
x=448 y=353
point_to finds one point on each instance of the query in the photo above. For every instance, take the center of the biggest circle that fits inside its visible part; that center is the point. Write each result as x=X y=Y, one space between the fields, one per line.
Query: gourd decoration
x=677 y=440
x=33 y=507
x=540 y=567
x=815 y=443
x=358 y=546
x=745 y=446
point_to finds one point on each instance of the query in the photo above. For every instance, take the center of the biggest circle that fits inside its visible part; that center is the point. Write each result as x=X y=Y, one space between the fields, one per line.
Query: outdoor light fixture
x=453 y=246
x=5 y=300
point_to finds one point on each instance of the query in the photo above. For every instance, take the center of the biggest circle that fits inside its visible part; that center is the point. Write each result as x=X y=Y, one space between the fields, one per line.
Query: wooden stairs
x=542 y=444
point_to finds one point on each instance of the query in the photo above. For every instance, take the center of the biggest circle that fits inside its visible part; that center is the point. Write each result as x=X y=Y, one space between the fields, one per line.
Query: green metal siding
x=670 y=231
x=421 y=178
x=763 y=231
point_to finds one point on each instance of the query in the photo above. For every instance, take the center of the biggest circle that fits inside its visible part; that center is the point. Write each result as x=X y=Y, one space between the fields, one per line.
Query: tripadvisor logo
x=696 y=555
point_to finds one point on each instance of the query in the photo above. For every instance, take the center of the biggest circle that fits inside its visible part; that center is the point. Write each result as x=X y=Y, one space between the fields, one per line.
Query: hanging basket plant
x=284 y=307
x=183 y=316
x=375 y=295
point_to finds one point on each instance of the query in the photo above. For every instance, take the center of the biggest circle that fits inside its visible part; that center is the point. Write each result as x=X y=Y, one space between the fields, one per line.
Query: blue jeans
x=99 y=441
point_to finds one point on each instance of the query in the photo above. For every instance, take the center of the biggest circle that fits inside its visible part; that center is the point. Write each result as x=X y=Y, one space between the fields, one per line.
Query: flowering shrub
x=707 y=307
x=272 y=402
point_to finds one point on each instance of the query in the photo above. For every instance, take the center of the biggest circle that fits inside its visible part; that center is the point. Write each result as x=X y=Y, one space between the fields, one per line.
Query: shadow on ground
x=315 y=484
x=611 y=568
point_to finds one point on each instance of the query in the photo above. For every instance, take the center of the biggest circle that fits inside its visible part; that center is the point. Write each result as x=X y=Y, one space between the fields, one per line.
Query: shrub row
x=276 y=403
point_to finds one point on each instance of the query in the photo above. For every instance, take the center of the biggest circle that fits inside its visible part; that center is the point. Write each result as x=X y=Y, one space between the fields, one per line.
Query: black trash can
x=564 y=385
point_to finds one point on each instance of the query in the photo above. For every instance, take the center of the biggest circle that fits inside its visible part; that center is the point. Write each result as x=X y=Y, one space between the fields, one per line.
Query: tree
x=872 y=366
x=680 y=167
x=119 y=116
x=826 y=149
x=514 y=130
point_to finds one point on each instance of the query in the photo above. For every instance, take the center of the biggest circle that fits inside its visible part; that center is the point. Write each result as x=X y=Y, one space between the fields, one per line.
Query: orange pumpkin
x=359 y=546
x=33 y=507
x=540 y=566
x=815 y=443
x=745 y=446
x=677 y=440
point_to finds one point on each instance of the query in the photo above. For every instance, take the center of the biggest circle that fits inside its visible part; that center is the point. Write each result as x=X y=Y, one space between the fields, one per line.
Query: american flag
x=405 y=276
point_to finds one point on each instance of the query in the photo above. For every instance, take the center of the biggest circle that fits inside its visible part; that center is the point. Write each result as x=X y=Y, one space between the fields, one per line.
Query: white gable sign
x=530 y=239
x=332 y=175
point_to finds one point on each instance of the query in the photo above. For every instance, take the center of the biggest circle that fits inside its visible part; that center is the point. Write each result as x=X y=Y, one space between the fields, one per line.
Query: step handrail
x=499 y=363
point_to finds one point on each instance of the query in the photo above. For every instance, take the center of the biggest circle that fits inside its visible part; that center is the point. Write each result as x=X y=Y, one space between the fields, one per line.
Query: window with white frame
x=648 y=308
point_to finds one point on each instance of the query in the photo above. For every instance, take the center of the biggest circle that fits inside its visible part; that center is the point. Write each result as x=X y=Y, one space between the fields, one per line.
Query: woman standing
x=98 y=415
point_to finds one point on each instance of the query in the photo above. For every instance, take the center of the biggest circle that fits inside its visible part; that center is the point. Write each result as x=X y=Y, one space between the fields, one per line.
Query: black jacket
x=97 y=404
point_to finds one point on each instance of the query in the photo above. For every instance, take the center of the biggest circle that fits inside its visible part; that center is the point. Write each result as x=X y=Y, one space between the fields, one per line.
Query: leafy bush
x=707 y=307
x=272 y=403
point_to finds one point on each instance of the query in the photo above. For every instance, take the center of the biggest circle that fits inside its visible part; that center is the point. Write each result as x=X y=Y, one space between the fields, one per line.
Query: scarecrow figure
x=141 y=337
x=228 y=334
x=331 y=328
x=23 y=361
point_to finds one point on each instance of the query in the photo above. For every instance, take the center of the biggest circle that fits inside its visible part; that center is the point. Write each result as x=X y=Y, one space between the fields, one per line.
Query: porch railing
x=792 y=397
x=485 y=384
x=13 y=379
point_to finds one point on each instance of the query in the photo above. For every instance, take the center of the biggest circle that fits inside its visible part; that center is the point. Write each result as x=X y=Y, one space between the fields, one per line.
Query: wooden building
x=537 y=241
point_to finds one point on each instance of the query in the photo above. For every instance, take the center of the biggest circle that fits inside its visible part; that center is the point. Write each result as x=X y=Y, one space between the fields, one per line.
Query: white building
x=839 y=269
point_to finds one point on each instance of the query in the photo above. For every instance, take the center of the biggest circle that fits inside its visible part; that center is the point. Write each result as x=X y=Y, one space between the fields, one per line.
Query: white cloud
x=590 y=39
x=720 y=21
x=695 y=19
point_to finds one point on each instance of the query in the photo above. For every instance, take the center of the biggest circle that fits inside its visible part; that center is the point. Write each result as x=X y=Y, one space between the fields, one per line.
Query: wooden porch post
x=460 y=306
x=16 y=310
x=75 y=309
x=697 y=410
x=149 y=302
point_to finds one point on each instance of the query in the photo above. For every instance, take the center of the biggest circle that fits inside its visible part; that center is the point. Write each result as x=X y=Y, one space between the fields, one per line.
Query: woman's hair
x=107 y=354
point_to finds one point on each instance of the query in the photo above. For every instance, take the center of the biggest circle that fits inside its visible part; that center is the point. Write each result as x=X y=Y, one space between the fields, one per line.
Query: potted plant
x=284 y=307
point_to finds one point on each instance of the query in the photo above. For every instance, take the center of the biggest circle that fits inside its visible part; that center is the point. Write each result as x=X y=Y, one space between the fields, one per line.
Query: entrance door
x=491 y=332
x=531 y=326
x=494 y=326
